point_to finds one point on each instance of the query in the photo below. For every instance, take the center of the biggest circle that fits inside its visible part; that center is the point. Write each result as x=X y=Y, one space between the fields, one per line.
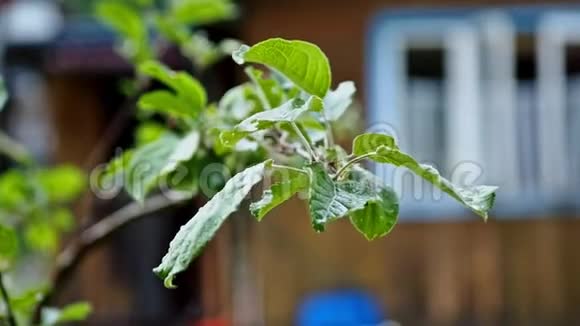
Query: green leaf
x=62 y=218
x=73 y=312
x=172 y=30
x=15 y=190
x=187 y=88
x=479 y=199
x=313 y=127
x=165 y=102
x=63 y=183
x=336 y=102
x=378 y=217
x=116 y=167
x=184 y=150
x=236 y=104
x=382 y=148
x=158 y=159
x=287 y=112
x=199 y=12
x=158 y=71
x=146 y=165
x=270 y=88
x=42 y=236
x=148 y=132
x=329 y=200
x=3 y=94
x=8 y=247
x=123 y=18
x=335 y=154
x=301 y=62
x=130 y=25
x=185 y=179
x=194 y=235
x=201 y=50
x=368 y=143
x=291 y=182
x=24 y=304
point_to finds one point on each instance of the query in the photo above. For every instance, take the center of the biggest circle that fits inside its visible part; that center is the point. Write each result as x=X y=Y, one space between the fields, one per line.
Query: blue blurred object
x=340 y=307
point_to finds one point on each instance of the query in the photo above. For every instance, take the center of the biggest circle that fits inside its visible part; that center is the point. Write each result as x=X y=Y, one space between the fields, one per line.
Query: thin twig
x=103 y=228
x=13 y=149
x=6 y=298
x=280 y=151
x=259 y=90
x=329 y=139
x=71 y=255
x=304 y=141
x=282 y=142
x=276 y=153
x=285 y=167
x=351 y=162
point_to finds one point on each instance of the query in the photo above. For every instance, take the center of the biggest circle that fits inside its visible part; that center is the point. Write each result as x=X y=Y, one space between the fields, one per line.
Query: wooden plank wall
x=79 y=122
x=518 y=273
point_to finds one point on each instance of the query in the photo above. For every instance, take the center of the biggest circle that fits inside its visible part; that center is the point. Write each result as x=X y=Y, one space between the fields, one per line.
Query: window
x=487 y=96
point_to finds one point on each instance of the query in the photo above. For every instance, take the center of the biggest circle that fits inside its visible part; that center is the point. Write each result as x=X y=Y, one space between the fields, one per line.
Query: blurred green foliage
x=35 y=215
x=139 y=24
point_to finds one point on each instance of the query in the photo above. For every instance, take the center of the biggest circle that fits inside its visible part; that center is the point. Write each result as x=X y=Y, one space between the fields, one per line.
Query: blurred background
x=489 y=89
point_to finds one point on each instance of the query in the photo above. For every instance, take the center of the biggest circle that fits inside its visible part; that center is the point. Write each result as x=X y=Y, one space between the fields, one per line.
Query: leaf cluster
x=282 y=117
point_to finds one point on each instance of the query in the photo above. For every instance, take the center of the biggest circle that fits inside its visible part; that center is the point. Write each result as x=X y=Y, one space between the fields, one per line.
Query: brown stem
x=70 y=255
